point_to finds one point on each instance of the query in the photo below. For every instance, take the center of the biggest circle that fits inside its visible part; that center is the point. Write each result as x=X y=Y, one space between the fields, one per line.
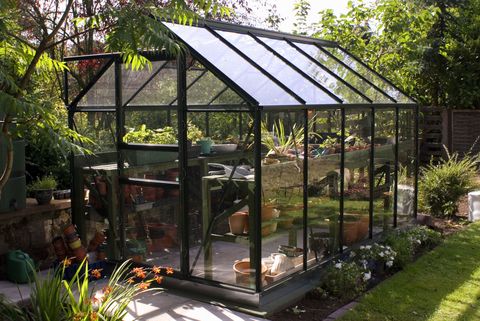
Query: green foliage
x=46 y=182
x=144 y=135
x=344 y=280
x=194 y=134
x=441 y=186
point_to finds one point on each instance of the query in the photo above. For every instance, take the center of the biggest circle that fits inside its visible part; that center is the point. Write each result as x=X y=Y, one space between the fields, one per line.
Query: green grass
x=442 y=285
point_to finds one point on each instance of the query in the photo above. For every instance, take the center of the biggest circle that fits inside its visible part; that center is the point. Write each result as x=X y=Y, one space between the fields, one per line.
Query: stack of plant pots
x=74 y=243
x=60 y=248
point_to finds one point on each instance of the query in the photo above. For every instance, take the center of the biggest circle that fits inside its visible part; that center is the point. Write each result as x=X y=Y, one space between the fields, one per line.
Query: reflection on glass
x=81 y=74
x=323 y=77
x=102 y=93
x=99 y=127
x=368 y=74
x=384 y=167
x=233 y=66
x=324 y=183
x=357 y=186
x=406 y=166
x=277 y=68
x=282 y=197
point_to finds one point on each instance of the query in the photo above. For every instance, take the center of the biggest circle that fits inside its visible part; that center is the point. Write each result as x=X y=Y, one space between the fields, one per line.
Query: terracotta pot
x=101 y=255
x=137 y=258
x=286 y=222
x=244 y=273
x=101 y=185
x=267 y=212
x=174 y=193
x=350 y=232
x=69 y=229
x=237 y=222
x=150 y=194
x=71 y=237
x=80 y=254
x=75 y=244
x=267 y=230
x=172 y=174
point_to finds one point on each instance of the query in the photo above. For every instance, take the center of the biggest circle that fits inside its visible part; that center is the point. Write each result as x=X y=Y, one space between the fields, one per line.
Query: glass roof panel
x=369 y=74
x=277 y=68
x=250 y=79
x=159 y=85
x=329 y=81
x=345 y=73
x=102 y=93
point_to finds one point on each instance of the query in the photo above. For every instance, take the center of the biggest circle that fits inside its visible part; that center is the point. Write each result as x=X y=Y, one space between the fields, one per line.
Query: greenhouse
x=246 y=164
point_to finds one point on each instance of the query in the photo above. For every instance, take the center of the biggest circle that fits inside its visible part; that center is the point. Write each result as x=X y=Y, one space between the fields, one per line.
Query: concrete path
x=152 y=306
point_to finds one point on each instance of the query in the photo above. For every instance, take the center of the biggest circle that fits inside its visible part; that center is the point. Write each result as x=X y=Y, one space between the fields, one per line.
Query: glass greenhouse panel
x=252 y=80
x=277 y=68
x=369 y=74
x=207 y=89
x=357 y=175
x=100 y=127
x=346 y=74
x=406 y=166
x=384 y=167
x=282 y=197
x=324 y=178
x=102 y=93
x=320 y=75
x=151 y=87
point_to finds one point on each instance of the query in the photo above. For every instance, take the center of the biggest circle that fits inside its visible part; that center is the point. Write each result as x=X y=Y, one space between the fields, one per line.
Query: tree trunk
x=9 y=163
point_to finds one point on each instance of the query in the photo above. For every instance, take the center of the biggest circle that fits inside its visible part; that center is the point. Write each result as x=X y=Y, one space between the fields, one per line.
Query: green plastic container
x=19 y=267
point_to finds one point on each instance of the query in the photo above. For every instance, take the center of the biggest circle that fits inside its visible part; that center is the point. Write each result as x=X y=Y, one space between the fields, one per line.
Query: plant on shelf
x=43 y=189
x=194 y=134
x=144 y=135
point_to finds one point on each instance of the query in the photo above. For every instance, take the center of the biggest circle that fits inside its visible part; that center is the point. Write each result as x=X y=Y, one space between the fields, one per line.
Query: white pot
x=474 y=206
x=405 y=197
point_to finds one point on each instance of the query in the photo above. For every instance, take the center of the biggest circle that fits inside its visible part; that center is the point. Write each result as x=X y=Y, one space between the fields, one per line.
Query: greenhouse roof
x=278 y=69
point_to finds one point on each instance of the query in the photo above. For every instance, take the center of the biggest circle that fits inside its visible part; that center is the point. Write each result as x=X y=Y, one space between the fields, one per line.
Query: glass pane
x=368 y=74
x=160 y=90
x=347 y=75
x=277 y=68
x=219 y=207
x=357 y=186
x=151 y=127
x=233 y=66
x=228 y=96
x=323 y=77
x=80 y=74
x=384 y=166
x=282 y=197
x=102 y=93
x=99 y=127
x=324 y=183
x=406 y=166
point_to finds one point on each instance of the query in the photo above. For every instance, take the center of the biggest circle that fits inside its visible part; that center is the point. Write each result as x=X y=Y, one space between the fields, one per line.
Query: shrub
x=345 y=280
x=378 y=252
x=442 y=185
x=46 y=182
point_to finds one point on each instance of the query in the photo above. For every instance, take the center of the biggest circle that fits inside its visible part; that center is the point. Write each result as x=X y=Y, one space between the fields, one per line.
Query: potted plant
x=43 y=189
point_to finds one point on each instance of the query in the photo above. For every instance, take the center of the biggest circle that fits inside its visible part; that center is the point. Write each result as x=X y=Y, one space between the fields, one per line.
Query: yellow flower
x=169 y=270
x=158 y=279
x=96 y=273
x=156 y=269
x=143 y=285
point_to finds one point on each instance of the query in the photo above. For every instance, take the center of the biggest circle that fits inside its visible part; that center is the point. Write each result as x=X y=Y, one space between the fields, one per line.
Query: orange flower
x=139 y=272
x=130 y=281
x=93 y=316
x=96 y=273
x=143 y=285
x=78 y=316
x=158 y=279
x=107 y=290
x=169 y=270
x=67 y=262
x=156 y=269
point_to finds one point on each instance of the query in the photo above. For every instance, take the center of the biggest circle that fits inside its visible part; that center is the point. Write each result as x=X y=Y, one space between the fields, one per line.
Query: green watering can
x=19 y=267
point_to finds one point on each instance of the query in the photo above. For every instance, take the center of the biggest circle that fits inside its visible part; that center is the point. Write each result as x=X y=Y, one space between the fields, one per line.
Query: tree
x=31 y=34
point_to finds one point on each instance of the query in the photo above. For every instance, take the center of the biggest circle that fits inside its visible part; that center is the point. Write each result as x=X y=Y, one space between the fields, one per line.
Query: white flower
x=352 y=254
x=419 y=242
x=362 y=247
x=368 y=247
x=381 y=254
x=338 y=265
x=389 y=263
x=367 y=276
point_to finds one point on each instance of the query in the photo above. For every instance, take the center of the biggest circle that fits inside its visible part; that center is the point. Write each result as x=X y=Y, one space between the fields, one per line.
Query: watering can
x=19 y=267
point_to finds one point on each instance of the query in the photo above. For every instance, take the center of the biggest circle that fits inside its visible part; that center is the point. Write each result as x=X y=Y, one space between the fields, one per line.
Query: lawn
x=441 y=285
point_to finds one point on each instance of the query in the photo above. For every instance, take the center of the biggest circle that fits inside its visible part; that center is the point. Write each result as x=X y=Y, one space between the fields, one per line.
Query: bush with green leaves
x=44 y=183
x=345 y=280
x=441 y=186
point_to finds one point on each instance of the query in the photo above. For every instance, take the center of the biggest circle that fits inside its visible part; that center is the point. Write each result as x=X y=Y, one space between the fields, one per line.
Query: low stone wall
x=32 y=229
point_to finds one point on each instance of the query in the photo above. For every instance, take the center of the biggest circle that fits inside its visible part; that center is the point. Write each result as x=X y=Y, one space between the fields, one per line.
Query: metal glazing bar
x=334 y=106
x=120 y=122
x=371 y=174
x=356 y=73
x=191 y=84
x=92 y=82
x=148 y=182
x=149 y=147
x=342 y=178
x=145 y=83
x=65 y=87
x=305 y=188
x=207 y=124
x=257 y=66
x=219 y=74
x=396 y=167
x=378 y=74
x=217 y=95
x=183 y=163
x=415 y=200
x=240 y=126
x=319 y=64
x=218 y=110
x=92 y=56
x=298 y=70
x=257 y=126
